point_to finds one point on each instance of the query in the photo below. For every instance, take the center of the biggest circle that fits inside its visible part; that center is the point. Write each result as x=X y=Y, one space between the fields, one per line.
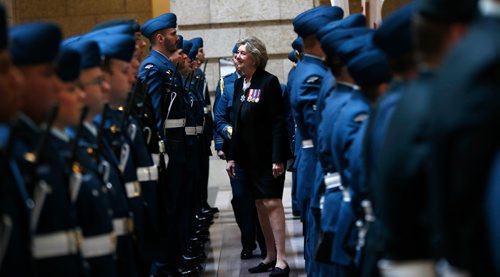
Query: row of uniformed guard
x=103 y=173
x=394 y=140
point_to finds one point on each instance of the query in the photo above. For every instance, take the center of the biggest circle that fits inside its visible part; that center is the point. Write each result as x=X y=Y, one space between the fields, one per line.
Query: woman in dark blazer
x=260 y=146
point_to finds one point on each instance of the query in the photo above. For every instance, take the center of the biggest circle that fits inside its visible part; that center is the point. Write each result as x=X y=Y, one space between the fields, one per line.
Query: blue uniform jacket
x=92 y=204
x=305 y=91
x=346 y=130
x=156 y=66
x=223 y=110
x=58 y=213
x=334 y=103
x=327 y=87
x=144 y=202
x=14 y=209
x=493 y=210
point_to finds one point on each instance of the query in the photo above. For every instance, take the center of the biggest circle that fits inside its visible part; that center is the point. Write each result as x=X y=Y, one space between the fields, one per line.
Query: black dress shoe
x=280 y=272
x=246 y=254
x=202 y=232
x=262 y=267
x=188 y=271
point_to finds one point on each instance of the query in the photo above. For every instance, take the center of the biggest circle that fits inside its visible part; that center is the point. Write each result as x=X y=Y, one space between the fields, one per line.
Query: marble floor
x=224 y=247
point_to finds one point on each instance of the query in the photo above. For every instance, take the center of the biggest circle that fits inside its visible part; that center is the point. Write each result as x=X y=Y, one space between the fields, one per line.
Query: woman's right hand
x=230 y=168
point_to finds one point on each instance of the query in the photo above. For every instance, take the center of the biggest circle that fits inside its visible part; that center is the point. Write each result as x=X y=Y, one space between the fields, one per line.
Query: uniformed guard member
x=395 y=38
x=242 y=202
x=57 y=237
x=369 y=69
x=124 y=133
x=463 y=110
x=334 y=93
x=87 y=191
x=191 y=191
x=203 y=216
x=298 y=48
x=164 y=86
x=205 y=130
x=104 y=162
x=15 y=202
x=224 y=85
x=493 y=211
x=310 y=72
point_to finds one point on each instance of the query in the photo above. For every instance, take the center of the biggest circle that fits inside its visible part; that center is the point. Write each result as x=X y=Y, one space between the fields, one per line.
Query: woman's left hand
x=278 y=169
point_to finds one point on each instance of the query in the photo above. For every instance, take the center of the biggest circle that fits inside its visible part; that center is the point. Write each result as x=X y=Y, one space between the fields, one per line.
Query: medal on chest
x=253 y=96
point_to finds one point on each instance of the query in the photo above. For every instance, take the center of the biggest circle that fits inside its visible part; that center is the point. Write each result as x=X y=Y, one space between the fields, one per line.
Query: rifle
x=100 y=131
x=129 y=106
x=187 y=83
x=202 y=79
x=34 y=158
x=41 y=190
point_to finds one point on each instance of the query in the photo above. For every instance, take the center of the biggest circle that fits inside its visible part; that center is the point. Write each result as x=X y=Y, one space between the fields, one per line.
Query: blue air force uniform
x=124 y=134
x=101 y=161
x=334 y=104
x=15 y=211
x=105 y=164
x=55 y=215
x=493 y=211
x=464 y=109
x=222 y=112
x=306 y=86
x=93 y=209
x=87 y=191
x=54 y=221
x=368 y=67
x=294 y=145
x=164 y=86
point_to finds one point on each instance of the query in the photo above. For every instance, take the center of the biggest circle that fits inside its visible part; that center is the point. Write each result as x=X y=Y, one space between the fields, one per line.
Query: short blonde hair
x=257 y=49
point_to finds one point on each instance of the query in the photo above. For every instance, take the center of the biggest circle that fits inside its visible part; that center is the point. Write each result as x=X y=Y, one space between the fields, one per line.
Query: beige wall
x=221 y=23
x=77 y=16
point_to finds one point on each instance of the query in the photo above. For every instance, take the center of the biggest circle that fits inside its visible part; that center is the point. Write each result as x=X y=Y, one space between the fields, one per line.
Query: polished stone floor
x=224 y=247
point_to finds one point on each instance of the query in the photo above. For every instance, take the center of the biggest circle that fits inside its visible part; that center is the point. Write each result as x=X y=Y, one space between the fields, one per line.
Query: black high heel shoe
x=262 y=267
x=280 y=272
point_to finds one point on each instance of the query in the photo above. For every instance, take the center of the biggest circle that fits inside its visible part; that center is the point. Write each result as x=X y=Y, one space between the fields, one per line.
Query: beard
x=171 y=48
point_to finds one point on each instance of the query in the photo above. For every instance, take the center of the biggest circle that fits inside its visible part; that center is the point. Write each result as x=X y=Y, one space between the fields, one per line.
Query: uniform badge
x=242 y=98
x=149 y=66
x=361 y=117
x=312 y=80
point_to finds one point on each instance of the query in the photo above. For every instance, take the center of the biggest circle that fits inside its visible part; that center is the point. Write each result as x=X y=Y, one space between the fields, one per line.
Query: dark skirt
x=262 y=182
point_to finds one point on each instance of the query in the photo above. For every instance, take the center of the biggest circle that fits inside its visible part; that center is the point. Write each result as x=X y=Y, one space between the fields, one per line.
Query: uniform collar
x=91 y=128
x=161 y=55
x=352 y=86
x=61 y=135
x=313 y=56
x=26 y=120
